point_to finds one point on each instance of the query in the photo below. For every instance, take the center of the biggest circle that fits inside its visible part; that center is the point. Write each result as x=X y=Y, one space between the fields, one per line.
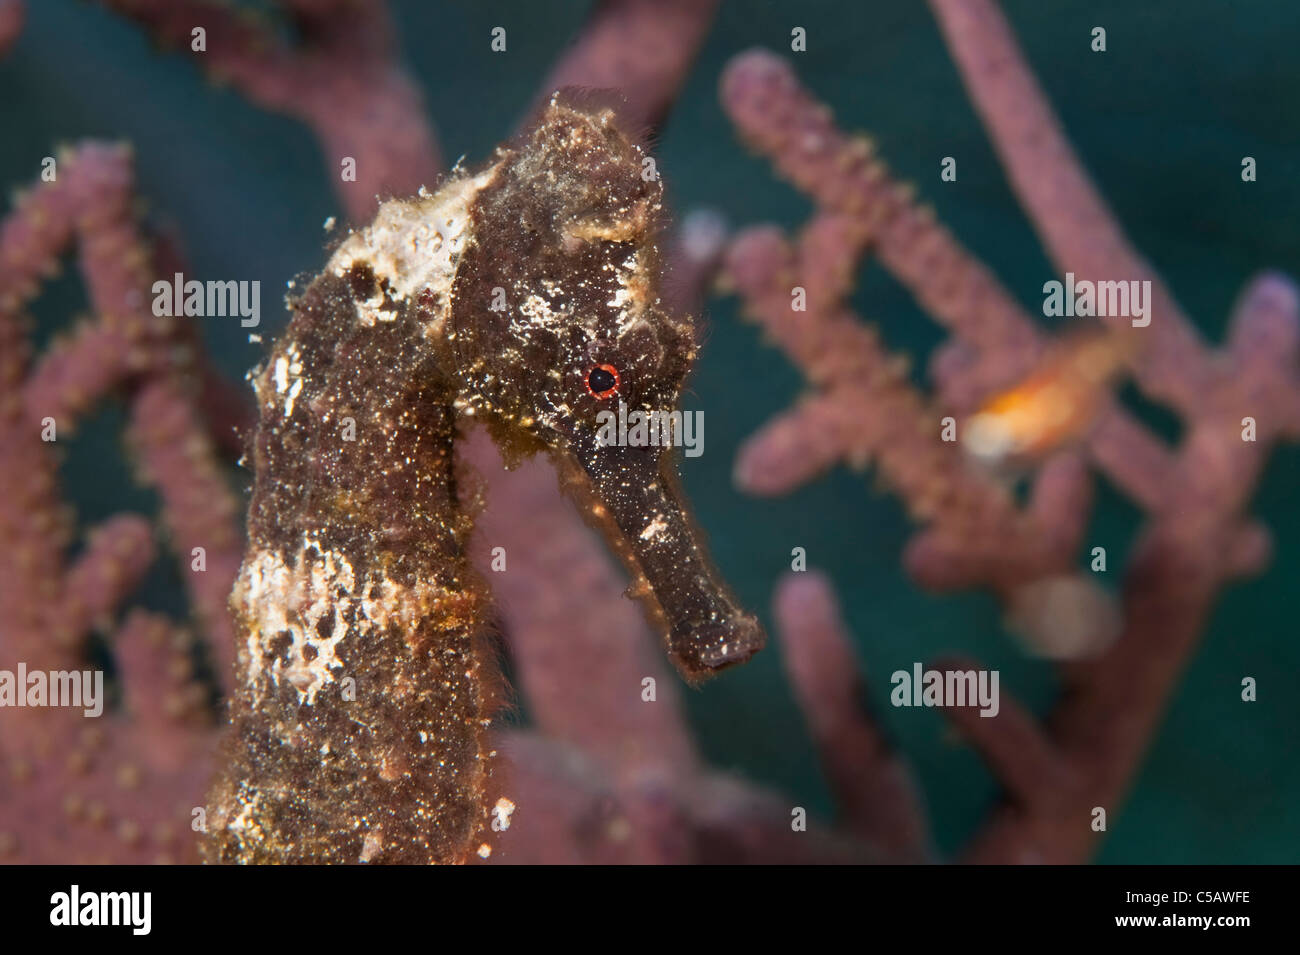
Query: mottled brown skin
x=569 y=212
x=388 y=502
x=363 y=697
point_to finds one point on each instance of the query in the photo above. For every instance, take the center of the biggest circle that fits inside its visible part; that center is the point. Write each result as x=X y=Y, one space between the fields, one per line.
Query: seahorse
x=523 y=295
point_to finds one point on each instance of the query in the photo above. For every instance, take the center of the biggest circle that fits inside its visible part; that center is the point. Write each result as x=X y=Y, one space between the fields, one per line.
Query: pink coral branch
x=797 y=445
x=343 y=80
x=873 y=788
x=576 y=814
x=1012 y=742
x=123 y=788
x=118 y=554
x=1077 y=229
x=996 y=343
x=643 y=48
x=1263 y=336
x=174 y=454
x=870 y=412
x=1236 y=403
x=12 y=14
x=1108 y=711
x=776 y=116
x=74 y=373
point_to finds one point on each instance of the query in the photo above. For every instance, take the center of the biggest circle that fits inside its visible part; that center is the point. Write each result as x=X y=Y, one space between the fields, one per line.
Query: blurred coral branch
x=12 y=13
x=863 y=410
x=121 y=788
x=643 y=48
x=342 y=77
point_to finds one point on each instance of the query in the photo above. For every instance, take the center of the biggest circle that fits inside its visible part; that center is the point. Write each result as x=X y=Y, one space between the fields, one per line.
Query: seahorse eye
x=602 y=381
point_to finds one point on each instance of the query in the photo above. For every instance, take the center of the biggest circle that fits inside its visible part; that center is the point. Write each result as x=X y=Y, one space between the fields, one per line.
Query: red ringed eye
x=602 y=381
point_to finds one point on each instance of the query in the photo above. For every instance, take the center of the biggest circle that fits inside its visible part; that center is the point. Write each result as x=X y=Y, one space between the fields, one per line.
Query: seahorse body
x=364 y=680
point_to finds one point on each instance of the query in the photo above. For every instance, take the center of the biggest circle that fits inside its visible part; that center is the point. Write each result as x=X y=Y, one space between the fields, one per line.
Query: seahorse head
x=555 y=326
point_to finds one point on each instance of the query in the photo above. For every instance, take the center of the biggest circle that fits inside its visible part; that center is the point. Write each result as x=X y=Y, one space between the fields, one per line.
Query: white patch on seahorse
x=415 y=244
x=286 y=375
x=539 y=311
x=372 y=844
x=294 y=390
x=623 y=295
x=280 y=599
x=245 y=821
x=630 y=298
x=317 y=601
x=654 y=528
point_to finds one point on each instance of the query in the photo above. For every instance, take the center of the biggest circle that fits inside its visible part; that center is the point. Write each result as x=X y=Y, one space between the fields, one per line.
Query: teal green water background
x=1162 y=120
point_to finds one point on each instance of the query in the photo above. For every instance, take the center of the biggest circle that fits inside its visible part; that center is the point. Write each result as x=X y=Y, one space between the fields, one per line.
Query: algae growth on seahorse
x=523 y=295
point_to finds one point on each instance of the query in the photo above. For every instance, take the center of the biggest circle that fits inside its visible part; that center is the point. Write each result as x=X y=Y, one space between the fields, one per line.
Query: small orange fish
x=1054 y=405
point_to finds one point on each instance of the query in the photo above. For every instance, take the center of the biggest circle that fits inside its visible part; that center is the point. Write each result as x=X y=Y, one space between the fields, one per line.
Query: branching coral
x=864 y=411
x=123 y=787
x=341 y=77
